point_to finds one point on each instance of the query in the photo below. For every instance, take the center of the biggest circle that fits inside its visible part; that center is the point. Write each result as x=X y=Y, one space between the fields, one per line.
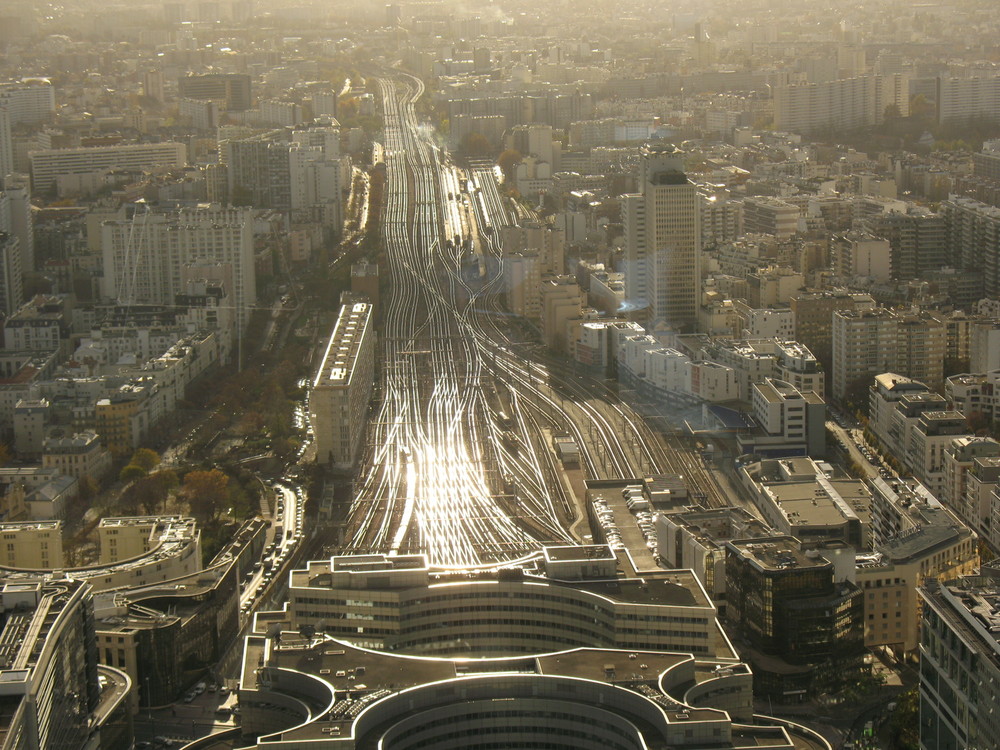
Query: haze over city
x=569 y=375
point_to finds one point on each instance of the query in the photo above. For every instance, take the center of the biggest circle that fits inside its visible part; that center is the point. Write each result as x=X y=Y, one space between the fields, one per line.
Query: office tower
x=48 y=164
x=960 y=662
x=804 y=627
x=338 y=401
x=663 y=240
x=231 y=89
x=150 y=257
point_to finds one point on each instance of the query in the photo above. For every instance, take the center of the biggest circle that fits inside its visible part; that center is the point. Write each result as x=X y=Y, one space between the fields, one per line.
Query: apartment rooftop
x=344 y=346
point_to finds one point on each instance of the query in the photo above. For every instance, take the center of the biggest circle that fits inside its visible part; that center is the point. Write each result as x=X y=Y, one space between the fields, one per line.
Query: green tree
x=904 y=724
x=150 y=493
x=508 y=161
x=205 y=492
x=476 y=145
x=132 y=473
x=146 y=458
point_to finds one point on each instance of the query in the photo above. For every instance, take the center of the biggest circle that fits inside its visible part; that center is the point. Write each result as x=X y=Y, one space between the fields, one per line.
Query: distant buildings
x=48 y=164
x=843 y=104
x=232 y=90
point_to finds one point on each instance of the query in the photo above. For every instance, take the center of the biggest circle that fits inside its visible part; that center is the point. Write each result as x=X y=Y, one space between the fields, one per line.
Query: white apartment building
x=79 y=456
x=859 y=255
x=984 y=346
x=47 y=165
x=970 y=478
x=964 y=98
x=151 y=258
x=522 y=284
x=844 y=104
x=338 y=401
x=28 y=103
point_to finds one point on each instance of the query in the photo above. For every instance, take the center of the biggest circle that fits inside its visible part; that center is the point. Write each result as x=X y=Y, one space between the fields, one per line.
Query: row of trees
x=208 y=493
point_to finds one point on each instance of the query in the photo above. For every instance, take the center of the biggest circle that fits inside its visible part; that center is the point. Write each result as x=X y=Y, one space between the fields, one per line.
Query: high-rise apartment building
x=301 y=171
x=843 y=104
x=766 y=215
x=974 y=239
x=813 y=314
x=29 y=102
x=963 y=99
x=869 y=342
x=918 y=241
x=150 y=257
x=663 y=240
x=6 y=145
x=338 y=401
x=864 y=344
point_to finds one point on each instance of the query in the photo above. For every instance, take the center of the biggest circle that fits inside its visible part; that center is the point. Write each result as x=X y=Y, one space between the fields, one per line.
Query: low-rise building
x=696 y=540
x=400 y=604
x=172 y=549
x=32 y=545
x=797 y=498
x=81 y=455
